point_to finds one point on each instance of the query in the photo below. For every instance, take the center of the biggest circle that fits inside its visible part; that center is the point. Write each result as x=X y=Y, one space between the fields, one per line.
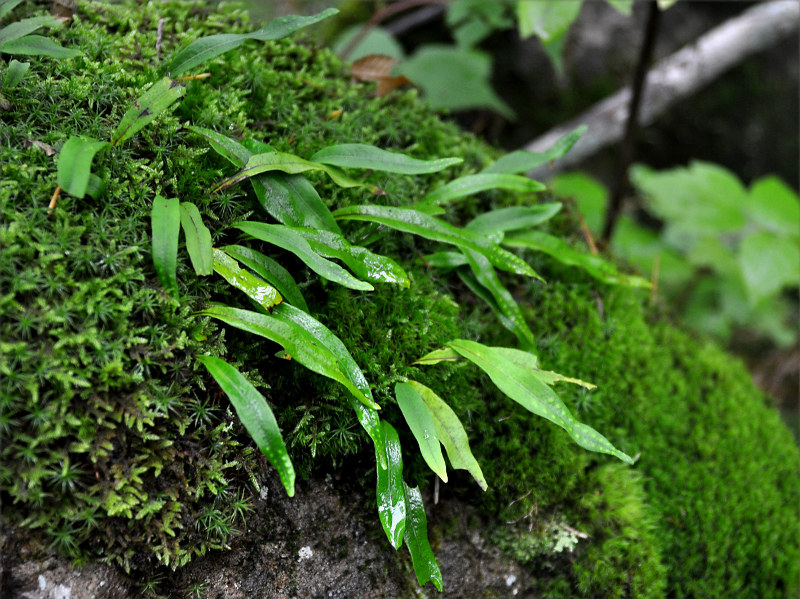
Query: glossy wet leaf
x=429 y=227
x=472 y=184
x=522 y=161
x=206 y=48
x=506 y=367
x=75 y=164
x=228 y=148
x=390 y=493
x=360 y=260
x=512 y=218
x=14 y=74
x=296 y=341
x=198 y=239
x=147 y=107
x=416 y=539
x=291 y=241
x=369 y=157
x=264 y=294
x=269 y=270
x=422 y=426
x=449 y=429
x=594 y=265
x=256 y=416
x=165 y=221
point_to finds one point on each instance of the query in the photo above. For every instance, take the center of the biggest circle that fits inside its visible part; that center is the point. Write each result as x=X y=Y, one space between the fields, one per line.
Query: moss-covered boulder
x=118 y=446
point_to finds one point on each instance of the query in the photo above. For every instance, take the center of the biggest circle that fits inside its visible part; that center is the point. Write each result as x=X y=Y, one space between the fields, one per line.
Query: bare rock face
x=324 y=542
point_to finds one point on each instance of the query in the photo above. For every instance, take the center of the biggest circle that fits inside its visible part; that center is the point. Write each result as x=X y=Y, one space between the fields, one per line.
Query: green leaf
x=75 y=164
x=300 y=344
x=547 y=19
x=594 y=265
x=472 y=184
x=550 y=378
x=368 y=417
x=449 y=429
x=422 y=426
x=6 y=6
x=198 y=239
x=291 y=164
x=512 y=218
x=269 y=270
x=361 y=261
x=256 y=416
x=768 y=264
x=623 y=6
x=14 y=74
x=377 y=41
x=147 y=107
x=206 y=48
x=446 y=260
x=293 y=242
x=443 y=354
x=512 y=371
x=24 y=27
x=262 y=293
x=370 y=157
x=230 y=149
x=416 y=538
x=390 y=493
x=424 y=225
x=590 y=195
x=774 y=206
x=165 y=220
x=37 y=45
x=96 y=187
x=522 y=161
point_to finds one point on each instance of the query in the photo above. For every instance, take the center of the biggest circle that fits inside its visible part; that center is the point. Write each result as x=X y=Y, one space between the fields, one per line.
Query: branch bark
x=674 y=78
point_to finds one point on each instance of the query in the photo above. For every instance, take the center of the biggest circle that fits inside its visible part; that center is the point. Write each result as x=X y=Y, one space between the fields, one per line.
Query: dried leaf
x=35 y=143
x=378 y=68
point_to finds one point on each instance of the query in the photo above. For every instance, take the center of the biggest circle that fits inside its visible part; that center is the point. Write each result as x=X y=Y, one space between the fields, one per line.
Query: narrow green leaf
x=360 y=260
x=269 y=270
x=513 y=218
x=6 y=6
x=450 y=432
x=416 y=538
x=38 y=45
x=300 y=344
x=594 y=265
x=526 y=388
x=147 y=107
x=370 y=157
x=206 y=48
x=256 y=416
x=429 y=227
x=445 y=260
x=390 y=493
x=14 y=74
x=549 y=377
x=75 y=164
x=523 y=161
x=472 y=184
x=368 y=417
x=422 y=426
x=165 y=221
x=230 y=149
x=198 y=239
x=443 y=354
x=293 y=242
x=262 y=293
x=23 y=27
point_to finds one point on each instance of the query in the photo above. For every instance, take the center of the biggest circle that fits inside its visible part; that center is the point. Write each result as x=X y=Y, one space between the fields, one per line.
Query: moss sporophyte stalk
x=141 y=320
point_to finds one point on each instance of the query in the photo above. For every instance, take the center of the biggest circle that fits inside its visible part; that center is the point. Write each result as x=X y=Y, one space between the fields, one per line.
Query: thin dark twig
x=415 y=19
x=628 y=146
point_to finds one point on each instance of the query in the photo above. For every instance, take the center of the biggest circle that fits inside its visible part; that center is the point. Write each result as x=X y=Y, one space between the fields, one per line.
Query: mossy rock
x=117 y=446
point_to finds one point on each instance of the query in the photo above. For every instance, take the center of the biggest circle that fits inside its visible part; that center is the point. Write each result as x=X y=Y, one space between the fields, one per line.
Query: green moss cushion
x=117 y=446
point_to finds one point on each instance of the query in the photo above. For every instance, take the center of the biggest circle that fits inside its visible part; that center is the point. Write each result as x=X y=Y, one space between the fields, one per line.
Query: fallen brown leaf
x=378 y=68
x=47 y=149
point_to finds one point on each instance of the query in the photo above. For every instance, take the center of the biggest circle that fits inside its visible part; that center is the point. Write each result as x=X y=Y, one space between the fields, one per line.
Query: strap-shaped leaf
x=301 y=345
x=522 y=161
x=293 y=242
x=360 y=260
x=147 y=107
x=449 y=430
x=514 y=320
x=446 y=260
x=416 y=538
x=422 y=426
x=472 y=184
x=513 y=218
x=390 y=493
x=6 y=6
x=264 y=294
x=527 y=389
x=256 y=416
x=429 y=227
x=269 y=270
x=38 y=45
x=443 y=354
x=75 y=164
x=20 y=29
x=594 y=265
x=370 y=157
x=368 y=417
x=228 y=148
x=14 y=74
x=165 y=220
x=206 y=48
x=198 y=239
